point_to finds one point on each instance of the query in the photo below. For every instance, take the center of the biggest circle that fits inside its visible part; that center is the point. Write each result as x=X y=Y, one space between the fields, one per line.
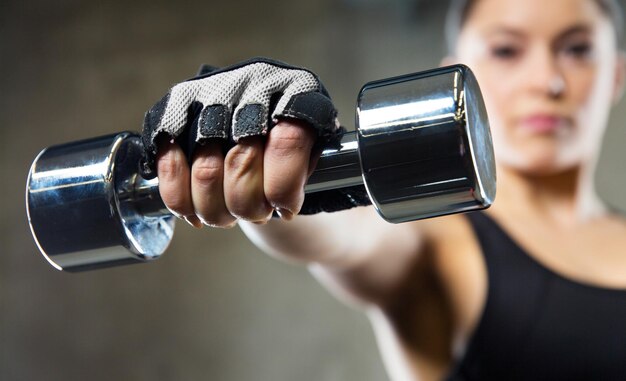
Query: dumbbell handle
x=336 y=168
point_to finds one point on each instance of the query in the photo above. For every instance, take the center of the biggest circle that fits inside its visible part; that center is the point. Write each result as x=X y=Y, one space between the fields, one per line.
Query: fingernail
x=284 y=214
x=193 y=221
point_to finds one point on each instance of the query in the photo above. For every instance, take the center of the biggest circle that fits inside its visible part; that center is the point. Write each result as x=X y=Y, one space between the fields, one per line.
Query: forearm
x=324 y=238
x=359 y=257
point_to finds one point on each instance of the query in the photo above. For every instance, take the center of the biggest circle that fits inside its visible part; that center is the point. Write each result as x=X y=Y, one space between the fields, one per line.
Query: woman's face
x=549 y=72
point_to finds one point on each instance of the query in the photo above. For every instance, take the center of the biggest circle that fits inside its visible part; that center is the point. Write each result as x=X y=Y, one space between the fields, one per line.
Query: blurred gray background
x=213 y=307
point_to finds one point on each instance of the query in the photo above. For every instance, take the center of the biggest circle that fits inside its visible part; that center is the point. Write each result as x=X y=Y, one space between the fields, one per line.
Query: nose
x=544 y=75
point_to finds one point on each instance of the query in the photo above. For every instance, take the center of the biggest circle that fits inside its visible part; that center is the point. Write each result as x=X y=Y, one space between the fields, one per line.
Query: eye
x=505 y=52
x=578 y=50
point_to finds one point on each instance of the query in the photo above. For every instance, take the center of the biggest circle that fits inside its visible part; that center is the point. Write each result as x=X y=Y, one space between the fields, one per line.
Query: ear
x=448 y=60
x=620 y=76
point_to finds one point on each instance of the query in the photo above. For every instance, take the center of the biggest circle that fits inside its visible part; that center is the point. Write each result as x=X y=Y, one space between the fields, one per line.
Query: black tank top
x=538 y=325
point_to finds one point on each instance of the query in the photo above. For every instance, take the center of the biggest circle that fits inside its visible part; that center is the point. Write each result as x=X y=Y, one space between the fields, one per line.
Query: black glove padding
x=245 y=99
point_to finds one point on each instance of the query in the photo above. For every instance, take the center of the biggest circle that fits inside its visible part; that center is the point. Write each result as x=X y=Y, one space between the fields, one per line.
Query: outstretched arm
x=272 y=118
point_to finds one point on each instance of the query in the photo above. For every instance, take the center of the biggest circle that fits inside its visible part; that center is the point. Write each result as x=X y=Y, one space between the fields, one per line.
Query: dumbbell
x=422 y=148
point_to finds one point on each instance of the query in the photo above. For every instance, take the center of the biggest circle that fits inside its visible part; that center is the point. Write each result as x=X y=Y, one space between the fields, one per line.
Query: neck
x=565 y=197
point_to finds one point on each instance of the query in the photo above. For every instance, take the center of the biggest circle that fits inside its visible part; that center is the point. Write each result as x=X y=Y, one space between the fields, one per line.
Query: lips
x=543 y=123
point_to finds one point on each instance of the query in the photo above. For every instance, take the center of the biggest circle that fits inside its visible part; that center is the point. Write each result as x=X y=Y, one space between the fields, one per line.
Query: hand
x=255 y=177
x=267 y=167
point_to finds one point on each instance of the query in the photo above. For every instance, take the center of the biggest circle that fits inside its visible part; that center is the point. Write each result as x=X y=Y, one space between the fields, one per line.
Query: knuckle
x=173 y=184
x=168 y=166
x=288 y=140
x=241 y=157
x=207 y=171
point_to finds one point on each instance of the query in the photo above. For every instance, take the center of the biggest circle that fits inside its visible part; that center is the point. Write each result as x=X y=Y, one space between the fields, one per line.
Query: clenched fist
x=239 y=142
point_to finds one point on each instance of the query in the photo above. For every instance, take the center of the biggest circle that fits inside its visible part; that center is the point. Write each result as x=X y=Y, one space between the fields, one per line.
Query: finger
x=243 y=181
x=174 y=181
x=286 y=165
x=313 y=107
x=207 y=186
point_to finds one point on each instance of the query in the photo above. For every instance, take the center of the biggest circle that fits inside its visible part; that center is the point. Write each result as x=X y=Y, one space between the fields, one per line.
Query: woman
x=535 y=287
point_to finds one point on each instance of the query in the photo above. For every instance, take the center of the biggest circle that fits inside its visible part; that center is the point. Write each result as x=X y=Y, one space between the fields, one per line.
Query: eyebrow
x=572 y=30
x=505 y=30
x=575 y=29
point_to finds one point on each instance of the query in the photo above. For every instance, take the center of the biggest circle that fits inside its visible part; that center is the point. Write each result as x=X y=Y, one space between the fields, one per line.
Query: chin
x=543 y=163
x=541 y=170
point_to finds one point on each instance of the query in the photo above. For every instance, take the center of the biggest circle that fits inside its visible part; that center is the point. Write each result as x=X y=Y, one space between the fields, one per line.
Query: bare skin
x=549 y=72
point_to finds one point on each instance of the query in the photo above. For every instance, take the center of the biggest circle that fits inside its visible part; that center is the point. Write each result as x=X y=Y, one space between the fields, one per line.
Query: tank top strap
x=514 y=295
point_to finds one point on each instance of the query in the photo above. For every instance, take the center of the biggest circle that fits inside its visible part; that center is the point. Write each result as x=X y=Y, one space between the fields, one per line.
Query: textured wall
x=213 y=307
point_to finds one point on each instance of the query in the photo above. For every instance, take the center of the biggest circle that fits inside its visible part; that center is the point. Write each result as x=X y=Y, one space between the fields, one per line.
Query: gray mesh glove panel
x=238 y=101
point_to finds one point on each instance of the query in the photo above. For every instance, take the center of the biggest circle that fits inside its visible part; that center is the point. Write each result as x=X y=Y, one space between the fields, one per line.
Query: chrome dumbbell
x=422 y=147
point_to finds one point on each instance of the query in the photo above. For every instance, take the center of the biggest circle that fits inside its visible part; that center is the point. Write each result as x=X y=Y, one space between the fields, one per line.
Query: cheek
x=583 y=89
x=591 y=92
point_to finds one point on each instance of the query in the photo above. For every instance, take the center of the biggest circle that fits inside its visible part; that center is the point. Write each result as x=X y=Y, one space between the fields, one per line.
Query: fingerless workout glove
x=238 y=101
x=245 y=99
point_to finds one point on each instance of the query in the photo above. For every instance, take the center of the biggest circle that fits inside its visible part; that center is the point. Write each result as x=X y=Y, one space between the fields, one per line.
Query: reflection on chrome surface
x=425 y=144
x=82 y=212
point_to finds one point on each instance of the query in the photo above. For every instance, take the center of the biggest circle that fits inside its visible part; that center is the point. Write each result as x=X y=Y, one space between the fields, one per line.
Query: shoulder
x=427 y=278
x=446 y=287
x=406 y=269
x=438 y=296
x=459 y=265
